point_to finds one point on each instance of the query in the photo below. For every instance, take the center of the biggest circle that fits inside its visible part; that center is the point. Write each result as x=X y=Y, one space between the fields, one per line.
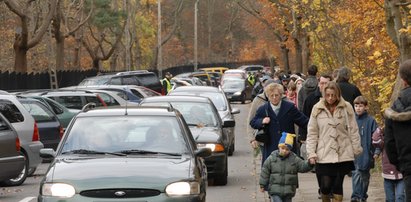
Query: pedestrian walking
x=364 y=162
x=394 y=187
x=398 y=127
x=333 y=141
x=309 y=86
x=349 y=91
x=279 y=171
x=277 y=115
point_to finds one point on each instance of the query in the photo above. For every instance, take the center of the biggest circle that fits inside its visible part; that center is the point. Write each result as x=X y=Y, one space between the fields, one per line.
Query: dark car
x=138 y=78
x=49 y=126
x=237 y=89
x=126 y=154
x=11 y=160
x=220 y=101
x=207 y=128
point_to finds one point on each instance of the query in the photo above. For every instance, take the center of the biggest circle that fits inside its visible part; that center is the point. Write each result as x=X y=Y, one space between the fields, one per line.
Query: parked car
x=49 y=126
x=217 y=96
x=28 y=133
x=112 y=98
x=11 y=159
x=237 y=89
x=206 y=127
x=206 y=77
x=63 y=113
x=126 y=154
x=252 y=68
x=138 y=78
x=74 y=99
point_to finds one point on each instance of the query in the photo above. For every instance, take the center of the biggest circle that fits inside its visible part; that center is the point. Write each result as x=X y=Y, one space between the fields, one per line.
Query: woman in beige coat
x=333 y=141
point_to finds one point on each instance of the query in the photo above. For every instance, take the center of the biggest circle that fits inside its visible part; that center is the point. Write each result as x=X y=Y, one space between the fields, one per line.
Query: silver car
x=27 y=132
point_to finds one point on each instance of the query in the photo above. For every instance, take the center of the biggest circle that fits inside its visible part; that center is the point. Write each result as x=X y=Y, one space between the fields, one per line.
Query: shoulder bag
x=261 y=134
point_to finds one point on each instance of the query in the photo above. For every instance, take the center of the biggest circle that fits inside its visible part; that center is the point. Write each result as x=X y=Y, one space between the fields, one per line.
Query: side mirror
x=235 y=111
x=228 y=123
x=203 y=152
x=47 y=153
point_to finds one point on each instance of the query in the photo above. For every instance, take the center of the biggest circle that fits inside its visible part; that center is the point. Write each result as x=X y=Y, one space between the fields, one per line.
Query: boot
x=338 y=198
x=325 y=197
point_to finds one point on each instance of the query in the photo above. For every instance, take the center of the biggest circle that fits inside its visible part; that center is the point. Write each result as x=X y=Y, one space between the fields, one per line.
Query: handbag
x=261 y=134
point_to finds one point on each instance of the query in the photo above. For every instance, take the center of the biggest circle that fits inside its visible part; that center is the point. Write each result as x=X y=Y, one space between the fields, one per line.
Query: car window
x=73 y=102
x=147 y=79
x=108 y=99
x=194 y=113
x=94 y=81
x=233 y=84
x=119 y=133
x=95 y=100
x=129 y=80
x=10 y=111
x=138 y=94
x=118 y=92
x=148 y=92
x=39 y=112
x=116 y=81
x=56 y=108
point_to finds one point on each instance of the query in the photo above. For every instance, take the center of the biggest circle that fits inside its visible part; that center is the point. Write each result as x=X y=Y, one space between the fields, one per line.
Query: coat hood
x=310 y=84
x=401 y=109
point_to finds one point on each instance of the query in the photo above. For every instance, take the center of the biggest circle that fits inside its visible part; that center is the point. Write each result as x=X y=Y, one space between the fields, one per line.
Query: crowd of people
x=320 y=122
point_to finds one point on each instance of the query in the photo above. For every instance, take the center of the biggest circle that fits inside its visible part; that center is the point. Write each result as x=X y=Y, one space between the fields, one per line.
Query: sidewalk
x=308 y=187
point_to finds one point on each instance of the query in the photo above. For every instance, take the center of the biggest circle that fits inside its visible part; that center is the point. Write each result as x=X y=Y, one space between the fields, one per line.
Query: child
x=364 y=162
x=281 y=167
x=394 y=186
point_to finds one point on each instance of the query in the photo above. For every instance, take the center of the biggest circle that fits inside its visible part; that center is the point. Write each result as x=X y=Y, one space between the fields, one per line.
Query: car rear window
x=73 y=102
x=10 y=111
x=39 y=112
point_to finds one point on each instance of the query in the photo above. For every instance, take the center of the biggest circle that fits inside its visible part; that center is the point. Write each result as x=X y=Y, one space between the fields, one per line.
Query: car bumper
x=216 y=163
x=162 y=197
x=11 y=167
x=33 y=154
x=232 y=97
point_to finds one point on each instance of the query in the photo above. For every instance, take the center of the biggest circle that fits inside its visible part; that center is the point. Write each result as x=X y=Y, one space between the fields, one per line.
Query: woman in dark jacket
x=279 y=116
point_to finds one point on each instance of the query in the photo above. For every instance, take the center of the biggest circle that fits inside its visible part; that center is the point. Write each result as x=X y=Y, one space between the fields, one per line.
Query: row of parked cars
x=165 y=149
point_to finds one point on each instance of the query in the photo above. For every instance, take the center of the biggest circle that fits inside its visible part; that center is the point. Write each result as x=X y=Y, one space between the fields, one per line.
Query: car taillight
x=61 y=132
x=17 y=144
x=36 y=134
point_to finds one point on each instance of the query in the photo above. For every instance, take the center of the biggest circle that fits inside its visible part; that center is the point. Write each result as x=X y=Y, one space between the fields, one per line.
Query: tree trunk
x=298 y=56
x=284 y=51
x=20 y=60
x=59 y=53
x=96 y=64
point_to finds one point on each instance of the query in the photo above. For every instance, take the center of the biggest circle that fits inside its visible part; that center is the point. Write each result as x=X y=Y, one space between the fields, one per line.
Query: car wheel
x=221 y=179
x=21 y=177
x=243 y=98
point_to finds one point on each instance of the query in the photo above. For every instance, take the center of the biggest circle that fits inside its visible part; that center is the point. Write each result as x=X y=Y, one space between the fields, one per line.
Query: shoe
x=355 y=200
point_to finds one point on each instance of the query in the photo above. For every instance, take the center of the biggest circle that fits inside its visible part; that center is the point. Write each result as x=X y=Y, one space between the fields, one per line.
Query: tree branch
x=44 y=26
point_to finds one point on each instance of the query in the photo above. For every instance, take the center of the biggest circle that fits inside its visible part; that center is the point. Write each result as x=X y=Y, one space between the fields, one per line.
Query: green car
x=126 y=154
x=63 y=113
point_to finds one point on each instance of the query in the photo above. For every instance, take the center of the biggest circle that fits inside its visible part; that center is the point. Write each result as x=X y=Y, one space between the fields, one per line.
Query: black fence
x=11 y=81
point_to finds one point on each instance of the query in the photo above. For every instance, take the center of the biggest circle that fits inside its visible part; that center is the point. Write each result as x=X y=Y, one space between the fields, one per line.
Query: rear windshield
x=149 y=80
x=39 y=112
x=10 y=111
x=94 y=81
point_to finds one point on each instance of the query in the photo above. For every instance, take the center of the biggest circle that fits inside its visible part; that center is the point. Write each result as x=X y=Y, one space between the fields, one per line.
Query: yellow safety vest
x=168 y=85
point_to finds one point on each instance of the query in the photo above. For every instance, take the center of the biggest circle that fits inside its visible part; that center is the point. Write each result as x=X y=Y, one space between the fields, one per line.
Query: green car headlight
x=183 y=188
x=58 y=189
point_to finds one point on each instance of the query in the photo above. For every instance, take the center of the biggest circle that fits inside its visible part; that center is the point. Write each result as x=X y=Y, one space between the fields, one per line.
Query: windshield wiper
x=86 y=151
x=138 y=151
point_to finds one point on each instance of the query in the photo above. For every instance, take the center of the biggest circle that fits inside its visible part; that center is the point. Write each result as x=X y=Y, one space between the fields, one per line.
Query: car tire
x=243 y=97
x=21 y=177
x=221 y=179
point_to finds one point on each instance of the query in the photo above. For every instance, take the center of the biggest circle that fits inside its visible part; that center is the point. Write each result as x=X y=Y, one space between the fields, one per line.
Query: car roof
x=197 y=89
x=173 y=98
x=129 y=110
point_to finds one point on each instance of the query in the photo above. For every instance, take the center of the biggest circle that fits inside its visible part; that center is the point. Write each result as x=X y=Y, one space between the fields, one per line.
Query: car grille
x=120 y=193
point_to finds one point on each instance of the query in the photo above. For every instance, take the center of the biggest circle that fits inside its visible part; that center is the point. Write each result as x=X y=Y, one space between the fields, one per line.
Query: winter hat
x=287 y=139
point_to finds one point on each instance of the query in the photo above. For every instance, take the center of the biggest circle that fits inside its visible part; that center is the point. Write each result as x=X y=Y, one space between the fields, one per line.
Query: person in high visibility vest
x=166 y=83
x=251 y=78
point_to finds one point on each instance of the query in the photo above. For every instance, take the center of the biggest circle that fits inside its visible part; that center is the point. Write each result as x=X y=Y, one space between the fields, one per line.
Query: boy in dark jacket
x=364 y=162
x=280 y=170
x=398 y=127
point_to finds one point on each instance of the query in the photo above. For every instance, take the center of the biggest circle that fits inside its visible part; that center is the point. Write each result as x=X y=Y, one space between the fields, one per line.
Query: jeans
x=360 y=182
x=394 y=190
x=407 y=182
x=275 y=198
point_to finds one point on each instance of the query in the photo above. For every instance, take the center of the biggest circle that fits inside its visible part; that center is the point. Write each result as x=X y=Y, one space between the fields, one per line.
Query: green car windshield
x=126 y=134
